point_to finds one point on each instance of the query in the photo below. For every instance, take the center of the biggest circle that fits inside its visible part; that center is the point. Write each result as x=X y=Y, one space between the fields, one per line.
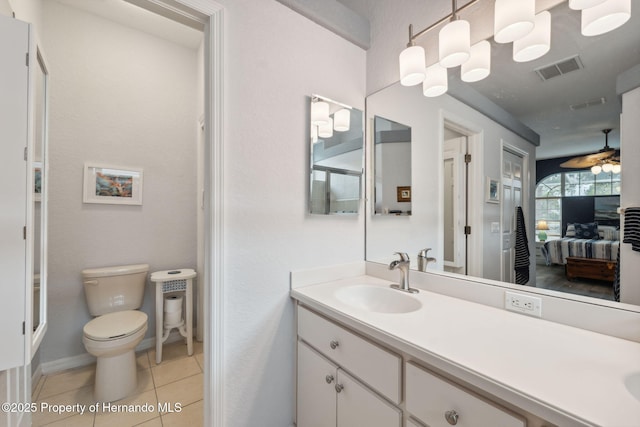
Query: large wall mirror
x=448 y=194
x=337 y=157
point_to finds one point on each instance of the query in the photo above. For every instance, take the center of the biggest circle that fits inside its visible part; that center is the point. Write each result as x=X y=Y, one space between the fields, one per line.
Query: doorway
x=513 y=188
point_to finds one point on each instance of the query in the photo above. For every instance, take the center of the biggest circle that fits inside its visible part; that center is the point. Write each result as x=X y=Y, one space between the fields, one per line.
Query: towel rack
x=620 y=211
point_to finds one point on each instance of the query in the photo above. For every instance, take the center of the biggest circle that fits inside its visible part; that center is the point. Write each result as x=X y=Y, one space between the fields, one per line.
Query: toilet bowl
x=113 y=294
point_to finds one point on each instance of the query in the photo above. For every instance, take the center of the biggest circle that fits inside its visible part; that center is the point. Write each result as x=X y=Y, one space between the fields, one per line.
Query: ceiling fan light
x=454 y=43
x=616 y=169
x=583 y=4
x=436 y=81
x=607 y=167
x=513 y=19
x=479 y=64
x=537 y=42
x=326 y=130
x=596 y=169
x=342 y=120
x=605 y=17
x=412 y=65
x=319 y=113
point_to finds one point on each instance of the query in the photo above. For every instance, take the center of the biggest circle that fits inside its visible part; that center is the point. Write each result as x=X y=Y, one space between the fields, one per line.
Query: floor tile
x=191 y=415
x=156 y=422
x=142 y=360
x=168 y=372
x=68 y=380
x=129 y=411
x=37 y=389
x=170 y=352
x=84 y=420
x=46 y=415
x=200 y=359
x=184 y=392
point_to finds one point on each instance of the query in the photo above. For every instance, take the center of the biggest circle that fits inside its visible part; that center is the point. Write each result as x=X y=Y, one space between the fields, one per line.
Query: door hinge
x=24 y=232
x=467 y=229
x=24 y=328
x=467 y=158
x=27 y=62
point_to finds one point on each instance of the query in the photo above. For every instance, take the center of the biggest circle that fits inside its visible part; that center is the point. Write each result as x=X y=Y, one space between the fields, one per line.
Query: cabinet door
x=316 y=405
x=359 y=406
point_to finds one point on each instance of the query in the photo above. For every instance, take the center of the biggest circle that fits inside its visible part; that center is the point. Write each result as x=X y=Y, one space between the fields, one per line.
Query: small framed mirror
x=392 y=167
x=337 y=157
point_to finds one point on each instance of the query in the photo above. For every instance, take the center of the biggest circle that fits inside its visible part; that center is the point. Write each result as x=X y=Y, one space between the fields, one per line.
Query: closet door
x=14 y=45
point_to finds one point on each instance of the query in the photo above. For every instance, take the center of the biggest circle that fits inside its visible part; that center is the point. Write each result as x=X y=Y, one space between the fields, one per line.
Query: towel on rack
x=616 y=278
x=632 y=228
x=521 y=264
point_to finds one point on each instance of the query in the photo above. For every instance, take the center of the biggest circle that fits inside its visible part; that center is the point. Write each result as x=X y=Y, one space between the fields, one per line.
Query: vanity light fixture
x=326 y=130
x=514 y=21
x=342 y=120
x=605 y=17
x=436 y=81
x=319 y=112
x=537 y=42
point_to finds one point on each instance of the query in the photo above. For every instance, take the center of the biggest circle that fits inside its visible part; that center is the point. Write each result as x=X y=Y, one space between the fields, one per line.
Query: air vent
x=559 y=68
x=589 y=103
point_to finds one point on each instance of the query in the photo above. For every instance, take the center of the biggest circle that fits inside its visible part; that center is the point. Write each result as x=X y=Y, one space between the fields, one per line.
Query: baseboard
x=84 y=359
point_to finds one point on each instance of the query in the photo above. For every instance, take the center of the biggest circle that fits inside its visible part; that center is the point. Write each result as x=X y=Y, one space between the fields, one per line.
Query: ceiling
x=544 y=106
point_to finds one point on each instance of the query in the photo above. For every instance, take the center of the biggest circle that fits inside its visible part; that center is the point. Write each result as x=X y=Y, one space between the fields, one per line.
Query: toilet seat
x=116 y=325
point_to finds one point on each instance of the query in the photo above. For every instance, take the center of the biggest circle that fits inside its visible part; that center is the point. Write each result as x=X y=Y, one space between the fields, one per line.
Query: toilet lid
x=115 y=325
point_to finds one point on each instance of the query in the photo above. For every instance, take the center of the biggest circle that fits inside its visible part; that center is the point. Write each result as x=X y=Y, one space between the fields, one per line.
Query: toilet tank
x=111 y=289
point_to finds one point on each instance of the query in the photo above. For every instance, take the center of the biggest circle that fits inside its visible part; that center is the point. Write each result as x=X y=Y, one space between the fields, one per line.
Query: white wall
x=124 y=98
x=275 y=59
x=630 y=195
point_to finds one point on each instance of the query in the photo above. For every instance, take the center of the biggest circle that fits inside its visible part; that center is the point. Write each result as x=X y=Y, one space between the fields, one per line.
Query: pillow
x=602 y=229
x=586 y=231
x=571 y=231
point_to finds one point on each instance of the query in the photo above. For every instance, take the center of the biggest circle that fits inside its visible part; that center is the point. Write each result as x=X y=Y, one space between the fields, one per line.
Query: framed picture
x=37 y=181
x=112 y=185
x=492 y=194
x=404 y=194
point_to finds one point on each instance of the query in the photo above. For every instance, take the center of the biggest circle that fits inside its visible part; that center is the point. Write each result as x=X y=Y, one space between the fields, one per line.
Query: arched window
x=549 y=204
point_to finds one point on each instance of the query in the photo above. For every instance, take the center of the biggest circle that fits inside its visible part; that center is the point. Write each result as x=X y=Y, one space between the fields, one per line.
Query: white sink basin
x=378 y=299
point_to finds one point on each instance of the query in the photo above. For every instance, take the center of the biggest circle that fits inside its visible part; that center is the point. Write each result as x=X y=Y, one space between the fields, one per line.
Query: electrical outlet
x=522 y=303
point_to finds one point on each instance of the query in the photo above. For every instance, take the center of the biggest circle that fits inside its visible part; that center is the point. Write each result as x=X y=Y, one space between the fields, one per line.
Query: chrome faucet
x=424 y=260
x=403 y=265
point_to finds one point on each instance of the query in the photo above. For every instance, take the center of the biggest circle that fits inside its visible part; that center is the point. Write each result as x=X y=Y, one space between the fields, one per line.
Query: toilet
x=113 y=295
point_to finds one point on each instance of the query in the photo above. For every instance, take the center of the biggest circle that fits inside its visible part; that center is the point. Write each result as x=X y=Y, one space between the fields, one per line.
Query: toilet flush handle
x=90 y=282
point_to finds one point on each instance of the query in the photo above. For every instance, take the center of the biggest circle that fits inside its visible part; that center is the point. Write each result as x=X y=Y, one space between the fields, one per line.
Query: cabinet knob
x=334 y=344
x=339 y=388
x=451 y=417
x=329 y=379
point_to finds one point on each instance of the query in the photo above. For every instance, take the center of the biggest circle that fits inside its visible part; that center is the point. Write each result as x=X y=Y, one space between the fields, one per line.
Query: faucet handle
x=423 y=252
x=403 y=256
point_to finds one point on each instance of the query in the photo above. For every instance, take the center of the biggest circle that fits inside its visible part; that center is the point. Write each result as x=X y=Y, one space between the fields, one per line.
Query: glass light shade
x=596 y=169
x=454 y=42
x=605 y=17
x=326 y=130
x=479 y=64
x=616 y=169
x=513 y=19
x=537 y=42
x=412 y=65
x=436 y=81
x=319 y=113
x=607 y=167
x=583 y=4
x=342 y=120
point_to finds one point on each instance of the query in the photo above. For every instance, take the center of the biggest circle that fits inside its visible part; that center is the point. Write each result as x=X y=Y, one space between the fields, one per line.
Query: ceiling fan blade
x=587 y=161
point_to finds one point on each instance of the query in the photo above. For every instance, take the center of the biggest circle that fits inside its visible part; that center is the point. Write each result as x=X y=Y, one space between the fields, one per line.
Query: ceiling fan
x=605 y=156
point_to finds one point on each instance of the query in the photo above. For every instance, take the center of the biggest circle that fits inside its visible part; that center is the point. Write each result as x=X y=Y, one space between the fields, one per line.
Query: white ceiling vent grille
x=559 y=68
x=589 y=103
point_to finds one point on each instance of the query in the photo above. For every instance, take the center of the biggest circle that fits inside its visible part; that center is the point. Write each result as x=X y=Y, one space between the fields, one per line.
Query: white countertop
x=566 y=375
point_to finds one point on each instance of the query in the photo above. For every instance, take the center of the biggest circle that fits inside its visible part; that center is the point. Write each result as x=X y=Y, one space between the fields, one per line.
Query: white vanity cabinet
x=439 y=403
x=344 y=380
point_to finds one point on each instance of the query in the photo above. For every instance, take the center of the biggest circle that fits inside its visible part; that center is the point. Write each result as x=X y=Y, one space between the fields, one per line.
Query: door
x=455 y=205
x=359 y=406
x=512 y=177
x=316 y=405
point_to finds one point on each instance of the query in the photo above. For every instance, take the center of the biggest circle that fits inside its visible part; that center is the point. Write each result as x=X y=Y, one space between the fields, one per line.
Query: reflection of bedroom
x=578 y=229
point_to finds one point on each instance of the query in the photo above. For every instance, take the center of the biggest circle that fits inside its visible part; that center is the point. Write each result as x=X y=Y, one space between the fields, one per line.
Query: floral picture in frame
x=492 y=194
x=112 y=185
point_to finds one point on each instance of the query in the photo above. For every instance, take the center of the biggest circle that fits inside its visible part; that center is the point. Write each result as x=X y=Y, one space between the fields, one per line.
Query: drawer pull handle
x=339 y=388
x=329 y=379
x=334 y=344
x=451 y=417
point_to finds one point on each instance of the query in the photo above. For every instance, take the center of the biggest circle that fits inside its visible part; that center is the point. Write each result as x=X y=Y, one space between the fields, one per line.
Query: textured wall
x=124 y=98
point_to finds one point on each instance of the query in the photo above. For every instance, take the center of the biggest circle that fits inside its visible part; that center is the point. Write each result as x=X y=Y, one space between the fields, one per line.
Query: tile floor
x=175 y=383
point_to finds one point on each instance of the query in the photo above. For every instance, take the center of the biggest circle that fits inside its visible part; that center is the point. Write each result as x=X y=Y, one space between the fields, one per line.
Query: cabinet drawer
x=430 y=397
x=373 y=365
